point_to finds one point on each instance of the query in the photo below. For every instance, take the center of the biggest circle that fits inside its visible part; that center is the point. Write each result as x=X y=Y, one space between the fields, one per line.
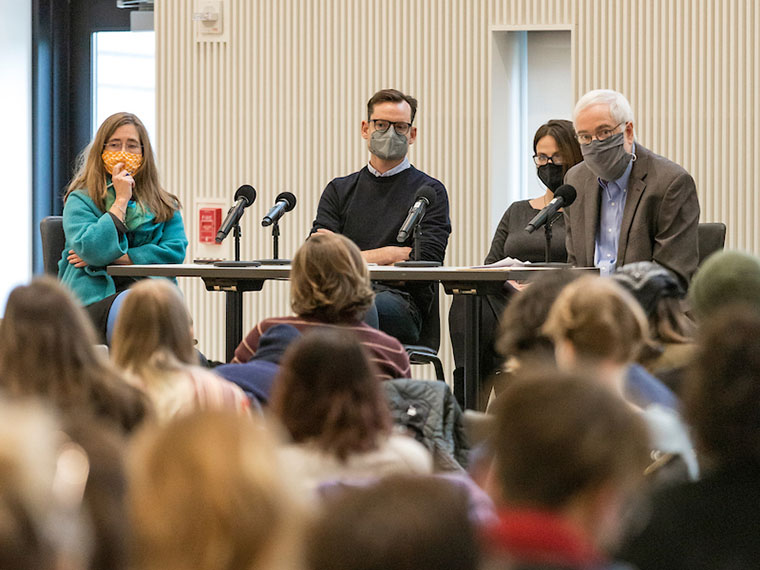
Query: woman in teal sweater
x=116 y=212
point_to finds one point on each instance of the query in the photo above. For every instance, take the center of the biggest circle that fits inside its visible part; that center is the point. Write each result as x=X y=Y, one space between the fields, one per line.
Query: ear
x=412 y=135
x=628 y=136
x=365 y=130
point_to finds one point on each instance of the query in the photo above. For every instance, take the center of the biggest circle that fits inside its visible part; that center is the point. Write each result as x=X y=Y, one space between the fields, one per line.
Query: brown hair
x=327 y=391
x=329 y=280
x=153 y=331
x=558 y=436
x=722 y=394
x=600 y=319
x=91 y=173
x=47 y=349
x=402 y=522
x=563 y=133
x=390 y=96
x=520 y=333
x=206 y=493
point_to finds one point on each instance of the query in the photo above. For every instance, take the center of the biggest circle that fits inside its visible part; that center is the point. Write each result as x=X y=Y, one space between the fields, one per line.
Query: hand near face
x=123 y=183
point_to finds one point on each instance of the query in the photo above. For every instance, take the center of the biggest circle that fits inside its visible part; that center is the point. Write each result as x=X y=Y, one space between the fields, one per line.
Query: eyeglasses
x=382 y=125
x=117 y=145
x=600 y=135
x=542 y=159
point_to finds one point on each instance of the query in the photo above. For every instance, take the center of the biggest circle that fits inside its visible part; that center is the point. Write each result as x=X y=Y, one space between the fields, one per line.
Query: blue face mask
x=607 y=159
x=388 y=145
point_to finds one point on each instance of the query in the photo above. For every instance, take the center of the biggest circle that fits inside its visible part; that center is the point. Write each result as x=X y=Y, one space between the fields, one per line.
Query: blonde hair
x=600 y=319
x=330 y=280
x=206 y=492
x=91 y=173
x=153 y=331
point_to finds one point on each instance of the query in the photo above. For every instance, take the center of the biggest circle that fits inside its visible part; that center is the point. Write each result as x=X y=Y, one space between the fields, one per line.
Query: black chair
x=426 y=349
x=711 y=237
x=53 y=242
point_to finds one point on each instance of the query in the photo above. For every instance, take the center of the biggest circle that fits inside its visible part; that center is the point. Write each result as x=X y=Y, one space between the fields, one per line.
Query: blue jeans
x=398 y=315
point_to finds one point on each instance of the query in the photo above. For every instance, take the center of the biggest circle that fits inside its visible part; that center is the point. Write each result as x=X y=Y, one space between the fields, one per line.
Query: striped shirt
x=387 y=353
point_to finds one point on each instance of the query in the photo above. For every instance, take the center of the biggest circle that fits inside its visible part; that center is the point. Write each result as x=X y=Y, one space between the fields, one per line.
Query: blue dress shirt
x=612 y=204
x=395 y=170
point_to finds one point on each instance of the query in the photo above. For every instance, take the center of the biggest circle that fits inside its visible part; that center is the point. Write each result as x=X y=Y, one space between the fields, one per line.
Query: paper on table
x=506 y=262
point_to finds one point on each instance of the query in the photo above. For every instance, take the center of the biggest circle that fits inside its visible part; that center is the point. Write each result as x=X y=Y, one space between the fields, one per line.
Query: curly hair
x=329 y=280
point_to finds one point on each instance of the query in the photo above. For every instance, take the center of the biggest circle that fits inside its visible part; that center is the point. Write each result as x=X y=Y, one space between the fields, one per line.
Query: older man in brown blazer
x=632 y=204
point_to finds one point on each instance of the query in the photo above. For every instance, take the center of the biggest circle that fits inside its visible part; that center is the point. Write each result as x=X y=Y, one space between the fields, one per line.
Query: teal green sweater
x=91 y=233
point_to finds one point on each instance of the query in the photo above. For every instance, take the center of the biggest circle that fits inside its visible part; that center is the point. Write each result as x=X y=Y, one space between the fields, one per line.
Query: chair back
x=711 y=237
x=53 y=242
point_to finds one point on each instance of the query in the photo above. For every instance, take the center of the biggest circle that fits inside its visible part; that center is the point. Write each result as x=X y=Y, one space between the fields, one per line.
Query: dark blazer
x=659 y=220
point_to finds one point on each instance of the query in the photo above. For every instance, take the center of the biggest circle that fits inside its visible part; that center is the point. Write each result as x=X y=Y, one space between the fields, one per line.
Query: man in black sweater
x=370 y=206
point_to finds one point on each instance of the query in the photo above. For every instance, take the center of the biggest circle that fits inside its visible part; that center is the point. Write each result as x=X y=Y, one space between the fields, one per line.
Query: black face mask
x=551 y=175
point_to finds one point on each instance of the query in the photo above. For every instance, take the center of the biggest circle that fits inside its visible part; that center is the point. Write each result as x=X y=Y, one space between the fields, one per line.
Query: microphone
x=244 y=197
x=284 y=203
x=564 y=196
x=422 y=199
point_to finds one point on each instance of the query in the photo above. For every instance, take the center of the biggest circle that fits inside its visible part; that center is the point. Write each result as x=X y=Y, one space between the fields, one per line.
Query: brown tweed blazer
x=659 y=220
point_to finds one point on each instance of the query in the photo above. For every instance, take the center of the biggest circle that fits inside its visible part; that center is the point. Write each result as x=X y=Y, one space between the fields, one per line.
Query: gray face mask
x=608 y=158
x=388 y=145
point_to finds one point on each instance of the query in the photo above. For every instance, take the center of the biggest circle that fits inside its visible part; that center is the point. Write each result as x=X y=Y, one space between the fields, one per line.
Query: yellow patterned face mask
x=131 y=161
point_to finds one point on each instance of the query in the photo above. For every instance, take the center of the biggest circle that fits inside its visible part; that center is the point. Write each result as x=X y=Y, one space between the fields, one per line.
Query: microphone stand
x=548 y=235
x=417 y=262
x=275 y=248
x=236 y=236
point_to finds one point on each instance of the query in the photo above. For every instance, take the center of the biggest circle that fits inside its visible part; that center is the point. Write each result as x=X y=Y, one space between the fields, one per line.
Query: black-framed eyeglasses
x=542 y=159
x=129 y=146
x=401 y=127
x=600 y=134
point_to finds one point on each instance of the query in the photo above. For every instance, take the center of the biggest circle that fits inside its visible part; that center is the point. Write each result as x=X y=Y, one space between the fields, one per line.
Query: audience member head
x=129 y=137
x=47 y=350
x=153 y=330
x=329 y=280
x=597 y=325
x=725 y=278
x=400 y=523
x=206 y=492
x=567 y=445
x=520 y=334
x=722 y=393
x=328 y=392
x=555 y=140
x=660 y=294
x=42 y=478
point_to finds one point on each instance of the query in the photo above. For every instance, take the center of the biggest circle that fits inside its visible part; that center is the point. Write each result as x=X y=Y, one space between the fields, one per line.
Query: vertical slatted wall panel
x=279 y=105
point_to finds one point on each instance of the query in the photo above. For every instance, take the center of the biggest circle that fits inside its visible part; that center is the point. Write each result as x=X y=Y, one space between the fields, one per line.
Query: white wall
x=15 y=144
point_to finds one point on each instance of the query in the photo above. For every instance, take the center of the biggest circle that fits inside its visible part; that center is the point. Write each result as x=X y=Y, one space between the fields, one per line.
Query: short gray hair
x=620 y=108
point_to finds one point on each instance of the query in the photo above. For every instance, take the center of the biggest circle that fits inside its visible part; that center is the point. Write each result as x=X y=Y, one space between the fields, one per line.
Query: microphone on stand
x=285 y=202
x=244 y=197
x=422 y=199
x=564 y=196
